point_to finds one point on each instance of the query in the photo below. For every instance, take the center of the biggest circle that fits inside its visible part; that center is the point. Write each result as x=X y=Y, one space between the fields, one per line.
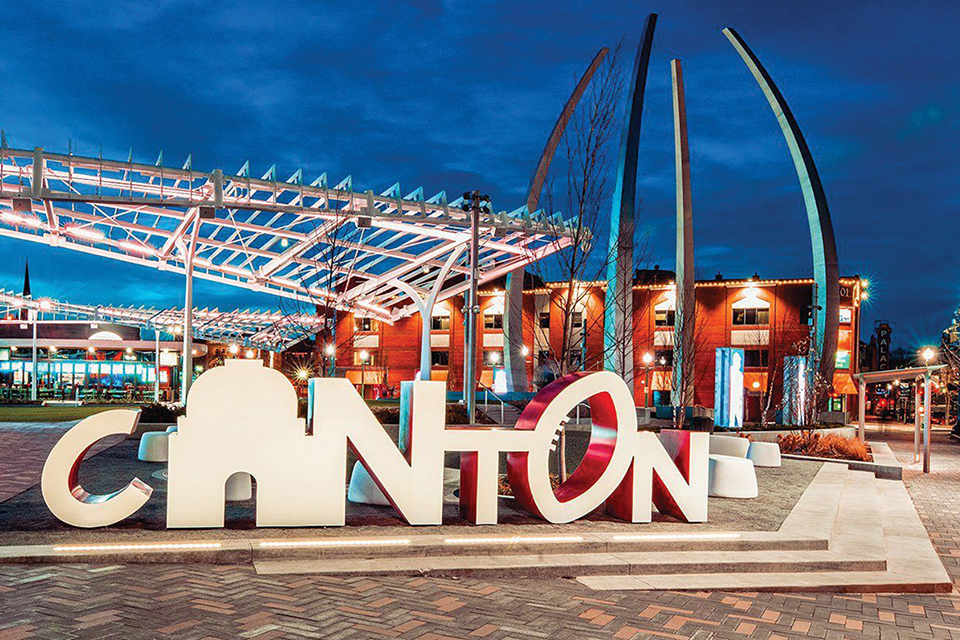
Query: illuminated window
x=358 y=357
x=440 y=323
x=440 y=358
x=365 y=324
x=664 y=317
x=751 y=316
x=493 y=321
x=577 y=320
x=846 y=314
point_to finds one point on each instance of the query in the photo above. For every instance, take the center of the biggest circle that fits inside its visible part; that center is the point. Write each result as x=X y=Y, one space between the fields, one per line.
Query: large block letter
x=59 y=483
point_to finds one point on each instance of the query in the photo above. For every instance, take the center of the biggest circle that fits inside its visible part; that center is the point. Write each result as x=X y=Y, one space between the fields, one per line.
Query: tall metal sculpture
x=513 y=314
x=684 y=321
x=825 y=270
x=618 y=302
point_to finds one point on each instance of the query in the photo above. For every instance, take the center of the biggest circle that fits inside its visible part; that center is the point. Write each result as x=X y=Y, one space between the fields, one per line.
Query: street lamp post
x=475 y=204
x=33 y=356
x=647 y=361
x=363 y=373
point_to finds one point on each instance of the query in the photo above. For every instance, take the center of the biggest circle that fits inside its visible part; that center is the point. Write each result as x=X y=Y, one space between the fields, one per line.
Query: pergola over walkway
x=910 y=373
x=314 y=242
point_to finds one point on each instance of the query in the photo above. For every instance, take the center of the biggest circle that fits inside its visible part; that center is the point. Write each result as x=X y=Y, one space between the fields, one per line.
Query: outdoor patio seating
x=153 y=446
x=732 y=477
x=729 y=446
x=764 y=454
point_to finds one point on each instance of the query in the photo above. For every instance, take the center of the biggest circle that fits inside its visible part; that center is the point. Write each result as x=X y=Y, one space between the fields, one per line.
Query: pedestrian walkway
x=203 y=601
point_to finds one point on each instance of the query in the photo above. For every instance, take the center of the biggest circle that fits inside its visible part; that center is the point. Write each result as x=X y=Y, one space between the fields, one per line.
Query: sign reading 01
x=242 y=417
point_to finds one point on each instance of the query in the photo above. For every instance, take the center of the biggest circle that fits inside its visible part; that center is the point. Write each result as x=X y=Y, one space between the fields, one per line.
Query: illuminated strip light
x=514 y=540
x=89 y=233
x=391 y=542
x=148 y=546
x=26 y=221
x=676 y=536
x=136 y=247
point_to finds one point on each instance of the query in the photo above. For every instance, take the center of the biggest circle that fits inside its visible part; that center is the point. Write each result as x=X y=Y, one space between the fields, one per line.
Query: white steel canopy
x=311 y=242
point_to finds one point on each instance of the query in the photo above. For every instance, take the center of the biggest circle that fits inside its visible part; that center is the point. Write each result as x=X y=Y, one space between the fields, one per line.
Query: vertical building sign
x=883 y=346
x=728 y=388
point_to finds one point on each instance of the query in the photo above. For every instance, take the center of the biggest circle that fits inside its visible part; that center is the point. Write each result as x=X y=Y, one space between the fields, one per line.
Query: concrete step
x=579 y=564
x=873 y=519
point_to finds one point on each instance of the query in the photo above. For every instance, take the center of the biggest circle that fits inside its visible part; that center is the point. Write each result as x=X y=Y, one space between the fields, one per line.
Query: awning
x=755 y=380
x=843 y=384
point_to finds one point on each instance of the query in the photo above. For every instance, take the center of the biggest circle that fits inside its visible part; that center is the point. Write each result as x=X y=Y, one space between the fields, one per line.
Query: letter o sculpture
x=608 y=454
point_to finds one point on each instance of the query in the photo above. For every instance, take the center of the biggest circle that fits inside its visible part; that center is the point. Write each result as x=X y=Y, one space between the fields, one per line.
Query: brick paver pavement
x=203 y=601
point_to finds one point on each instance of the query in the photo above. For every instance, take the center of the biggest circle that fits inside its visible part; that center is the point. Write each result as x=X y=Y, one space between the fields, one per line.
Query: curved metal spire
x=513 y=316
x=825 y=270
x=618 y=302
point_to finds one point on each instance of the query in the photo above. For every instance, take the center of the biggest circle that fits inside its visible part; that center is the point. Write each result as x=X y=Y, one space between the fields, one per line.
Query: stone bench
x=729 y=446
x=153 y=447
x=732 y=477
x=764 y=454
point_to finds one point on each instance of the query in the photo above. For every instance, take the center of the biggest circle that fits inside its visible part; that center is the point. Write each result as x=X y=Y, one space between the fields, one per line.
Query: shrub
x=160 y=413
x=811 y=443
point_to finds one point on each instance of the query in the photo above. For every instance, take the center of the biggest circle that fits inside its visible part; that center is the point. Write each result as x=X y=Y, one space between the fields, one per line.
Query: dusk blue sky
x=456 y=95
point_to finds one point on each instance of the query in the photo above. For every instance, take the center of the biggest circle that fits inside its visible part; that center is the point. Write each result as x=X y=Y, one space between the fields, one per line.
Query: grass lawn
x=33 y=413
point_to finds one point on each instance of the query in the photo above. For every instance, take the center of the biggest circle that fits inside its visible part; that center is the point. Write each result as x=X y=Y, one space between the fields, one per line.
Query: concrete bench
x=764 y=454
x=153 y=447
x=729 y=446
x=732 y=477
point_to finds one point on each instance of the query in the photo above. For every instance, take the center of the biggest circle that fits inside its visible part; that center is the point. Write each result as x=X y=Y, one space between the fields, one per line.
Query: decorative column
x=514 y=360
x=825 y=269
x=618 y=301
x=684 y=358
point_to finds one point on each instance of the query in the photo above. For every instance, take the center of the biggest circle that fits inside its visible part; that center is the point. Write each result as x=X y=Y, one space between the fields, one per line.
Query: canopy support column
x=862 y=410
x=425 y=307
x=926 y=422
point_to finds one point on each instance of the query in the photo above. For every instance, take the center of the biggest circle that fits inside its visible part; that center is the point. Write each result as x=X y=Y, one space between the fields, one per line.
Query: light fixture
x=647 y=358
x=756 y=384
x=525 y=351
x=193 y=352
x=494 y=357
x=335 y=542
x=250 y=354
x=928 y=354
x=233 y=349
x=129 y=350
x=138 y=547
x=303 y=373
x=52 y=349
x=329 y=350
x=364 y=355
x=45 y=305
x=513 y=540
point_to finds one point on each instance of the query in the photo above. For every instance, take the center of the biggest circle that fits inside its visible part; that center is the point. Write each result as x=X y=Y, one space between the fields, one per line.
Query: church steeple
x=26 y=278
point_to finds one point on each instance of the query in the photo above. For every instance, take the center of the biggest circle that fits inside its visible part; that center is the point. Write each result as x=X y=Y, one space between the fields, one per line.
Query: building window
x=543 y=319
x=577 y=320
x=751 y=316
x=364 y=324
x=493 y=321
x=543 y=356
x=663 y=358
x=756 y=358
x=846 y=314
x=440 y=323
x=664 y=317
x=576 y=358
x=440 y=358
